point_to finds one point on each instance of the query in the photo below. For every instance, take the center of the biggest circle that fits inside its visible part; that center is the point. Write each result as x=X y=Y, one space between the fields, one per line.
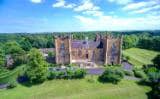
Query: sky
x=78 y=15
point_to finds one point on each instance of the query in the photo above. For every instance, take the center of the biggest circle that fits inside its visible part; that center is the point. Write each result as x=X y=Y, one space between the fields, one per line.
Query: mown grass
x=140 y=57
x=77 y=89
x=11 y=75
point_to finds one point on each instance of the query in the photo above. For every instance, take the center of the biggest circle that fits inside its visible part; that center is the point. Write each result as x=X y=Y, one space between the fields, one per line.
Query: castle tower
x=63 y=50
x=112 y=50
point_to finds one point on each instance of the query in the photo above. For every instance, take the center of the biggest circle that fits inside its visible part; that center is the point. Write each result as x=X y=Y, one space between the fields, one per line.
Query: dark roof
x=86 y=44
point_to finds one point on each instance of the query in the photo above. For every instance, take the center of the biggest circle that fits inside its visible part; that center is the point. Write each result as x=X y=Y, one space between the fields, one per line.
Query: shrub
x=11 y=85
x=67 y=74
x=60 y=74
x=53 y=65
x=128 y=73
x=156 y=60
x=111 y=74
x=80 y=73
x=151 y=69
x=70 y=74
x=51 y=75
x=140 y=74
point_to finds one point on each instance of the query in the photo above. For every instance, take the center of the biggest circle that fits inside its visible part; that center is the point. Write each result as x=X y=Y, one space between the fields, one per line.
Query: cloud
x=142 y=7
x=121 y=2
x=86 y=5
x=94 y=13
x=138 y=5
x=36 y=1
x=63 y=4
x=116 y=23
x=144 y=10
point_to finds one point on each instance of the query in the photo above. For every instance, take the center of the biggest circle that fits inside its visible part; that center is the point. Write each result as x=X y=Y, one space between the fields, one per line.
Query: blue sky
x=78 y=15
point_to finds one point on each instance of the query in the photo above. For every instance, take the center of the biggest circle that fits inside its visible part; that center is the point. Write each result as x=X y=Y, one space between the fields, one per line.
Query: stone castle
x=102 y=50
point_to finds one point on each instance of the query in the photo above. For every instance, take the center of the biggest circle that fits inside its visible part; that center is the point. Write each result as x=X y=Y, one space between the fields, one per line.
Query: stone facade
x=102 y=50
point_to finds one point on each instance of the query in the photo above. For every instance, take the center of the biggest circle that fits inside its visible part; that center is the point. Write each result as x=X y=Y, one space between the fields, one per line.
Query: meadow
x=78 y=89
x=139 y=57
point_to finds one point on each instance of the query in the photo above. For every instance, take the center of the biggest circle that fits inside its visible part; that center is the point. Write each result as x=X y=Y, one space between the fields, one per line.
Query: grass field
x=10 y=75
x=139 y=57
x=77 y=89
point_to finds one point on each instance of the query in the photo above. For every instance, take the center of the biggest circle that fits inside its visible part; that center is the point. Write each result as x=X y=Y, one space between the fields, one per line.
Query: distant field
x=139 y=57
x=77 y=89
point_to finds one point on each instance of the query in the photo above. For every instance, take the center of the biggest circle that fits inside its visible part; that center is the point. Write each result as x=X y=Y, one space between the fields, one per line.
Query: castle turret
x=63 y=50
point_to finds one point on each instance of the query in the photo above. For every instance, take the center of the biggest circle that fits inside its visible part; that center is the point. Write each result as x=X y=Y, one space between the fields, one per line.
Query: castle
x=102 y=50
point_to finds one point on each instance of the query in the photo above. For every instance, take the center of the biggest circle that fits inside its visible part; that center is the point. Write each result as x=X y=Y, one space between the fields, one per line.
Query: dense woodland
x=22 y=47
x=142 y=39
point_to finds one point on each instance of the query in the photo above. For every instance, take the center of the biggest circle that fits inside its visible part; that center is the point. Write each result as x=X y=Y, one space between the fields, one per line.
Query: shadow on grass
x=23 y=80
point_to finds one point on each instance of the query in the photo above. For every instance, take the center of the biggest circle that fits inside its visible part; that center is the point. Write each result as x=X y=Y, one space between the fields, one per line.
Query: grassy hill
x=139 y=57
x=77 y=89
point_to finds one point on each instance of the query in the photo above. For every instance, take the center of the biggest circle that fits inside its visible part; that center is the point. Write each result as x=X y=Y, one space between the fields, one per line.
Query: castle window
x=87 y=54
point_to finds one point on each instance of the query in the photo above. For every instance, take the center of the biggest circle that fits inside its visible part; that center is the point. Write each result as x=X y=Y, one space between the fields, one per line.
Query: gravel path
x=127 y=66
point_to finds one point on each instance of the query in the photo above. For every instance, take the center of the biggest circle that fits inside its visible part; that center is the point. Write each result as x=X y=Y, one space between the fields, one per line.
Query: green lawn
x=139 y=57
x=10 y=75
x=77 y=89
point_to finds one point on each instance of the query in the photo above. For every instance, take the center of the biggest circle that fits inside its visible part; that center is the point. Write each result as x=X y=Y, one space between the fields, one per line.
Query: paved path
x=127 y=66
x=95 y=71
x=99 y=71
x=132 y=78
x=3 y=86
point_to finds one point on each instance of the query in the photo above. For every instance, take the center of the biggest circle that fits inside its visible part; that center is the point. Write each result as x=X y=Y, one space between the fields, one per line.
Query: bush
x=53 y=65
x=51 y=75
x=128 y=73
x=11 y=85
x=111 y=74
x=151 y=69
x=156 y=61
x=140 y=74
x=80 y=73
x=68 y=74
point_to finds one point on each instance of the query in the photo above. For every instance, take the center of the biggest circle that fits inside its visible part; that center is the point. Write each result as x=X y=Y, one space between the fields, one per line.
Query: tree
x=16 y=52
x=13 y=47
x=153 y=80
x=36 y=69
x=25 y=44
x=111 y=74
x=2 y=57
x=156 y=60
x=130 y=41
